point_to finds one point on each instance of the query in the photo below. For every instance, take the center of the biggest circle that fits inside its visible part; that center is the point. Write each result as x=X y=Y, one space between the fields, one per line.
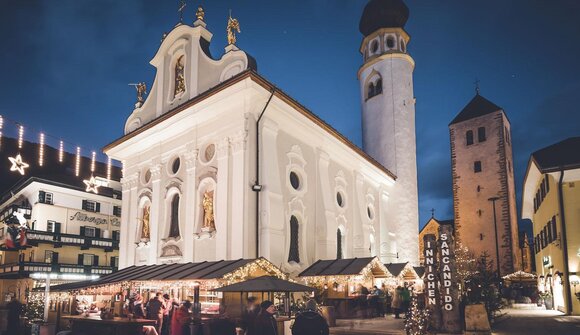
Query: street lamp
x=493 y=200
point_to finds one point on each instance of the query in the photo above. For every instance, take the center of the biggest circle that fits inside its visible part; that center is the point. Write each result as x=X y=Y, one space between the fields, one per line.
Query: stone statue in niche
x=208 y=214
x=179 y=77
x=145 y=229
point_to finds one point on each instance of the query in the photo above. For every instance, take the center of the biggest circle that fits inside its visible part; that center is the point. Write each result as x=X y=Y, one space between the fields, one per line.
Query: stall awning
x=346 y=267
x=404 y=271
x=266 y=284
x=171 y=272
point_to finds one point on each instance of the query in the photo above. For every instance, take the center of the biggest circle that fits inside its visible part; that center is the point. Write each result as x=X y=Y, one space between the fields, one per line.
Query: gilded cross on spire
x=476 y=86
x=233 y=26
x=182 y=5
x=432 y=212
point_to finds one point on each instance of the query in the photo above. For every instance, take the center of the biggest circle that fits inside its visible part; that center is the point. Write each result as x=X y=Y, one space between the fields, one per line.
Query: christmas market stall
x=183 y=281
x=404 y=275
x=346 y=284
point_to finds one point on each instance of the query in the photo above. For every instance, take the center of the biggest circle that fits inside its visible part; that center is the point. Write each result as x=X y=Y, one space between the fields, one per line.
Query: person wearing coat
x=310 y=322
x=397 y=302
x=265 y=324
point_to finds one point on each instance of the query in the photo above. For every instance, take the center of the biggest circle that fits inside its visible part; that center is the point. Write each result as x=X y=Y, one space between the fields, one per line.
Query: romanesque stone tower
x=388 y=118
x=483 y=183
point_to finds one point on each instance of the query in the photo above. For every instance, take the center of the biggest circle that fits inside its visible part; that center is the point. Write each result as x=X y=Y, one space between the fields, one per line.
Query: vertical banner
x=431 y=280
x=451 y=320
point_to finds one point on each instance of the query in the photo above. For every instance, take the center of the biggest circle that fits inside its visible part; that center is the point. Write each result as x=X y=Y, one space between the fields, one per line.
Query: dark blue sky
x=65 y=66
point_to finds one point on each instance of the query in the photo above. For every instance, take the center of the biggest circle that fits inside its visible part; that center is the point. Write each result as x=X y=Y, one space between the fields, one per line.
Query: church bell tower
x=388 y=119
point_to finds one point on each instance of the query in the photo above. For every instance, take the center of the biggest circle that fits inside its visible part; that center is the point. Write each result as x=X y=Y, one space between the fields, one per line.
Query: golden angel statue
x=208 y=214
x=141 y=91
x=145 y=229
x=233 y=27
x=179 y=77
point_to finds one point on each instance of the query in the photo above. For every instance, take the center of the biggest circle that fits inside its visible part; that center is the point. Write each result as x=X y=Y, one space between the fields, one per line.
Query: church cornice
x=255 y=77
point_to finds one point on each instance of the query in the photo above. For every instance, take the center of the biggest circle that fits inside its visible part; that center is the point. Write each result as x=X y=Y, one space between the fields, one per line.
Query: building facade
x=51 y=226
x=551 y=199
x=431 y=227
x=484 y=197
x=221 y=164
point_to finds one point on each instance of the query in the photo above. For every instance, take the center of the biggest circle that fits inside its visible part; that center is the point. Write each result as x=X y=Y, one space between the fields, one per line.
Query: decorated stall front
x=347 y=284
x=404 y=275
x=183 y=281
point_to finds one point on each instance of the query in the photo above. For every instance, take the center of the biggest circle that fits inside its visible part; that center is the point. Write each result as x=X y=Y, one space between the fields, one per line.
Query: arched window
x=481 y=134
x=371 y=92
x=390 y=42
x=294 y=255
x=174 y=218
x=379 y=87
x=338 y=244
x=469 y=137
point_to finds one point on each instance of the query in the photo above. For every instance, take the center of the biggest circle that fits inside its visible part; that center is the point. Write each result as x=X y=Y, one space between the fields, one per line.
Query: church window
x=479 y=212
x=554 y=228
x=403 y=46
x=175 y=165
x=379 y=87
x=469 y=137
x=477 y=166
x=481 y=134
x=371 y=92
x=374 y=46
x=338 y=244
x=339 y=199
x=370 y=212
x=390 y=42
x=294 y=255
x=209 y=152
x=375 y=88
x=481 y=237
x=294 y=180
x=478 y=188
x=147 y=176
x=174 y=217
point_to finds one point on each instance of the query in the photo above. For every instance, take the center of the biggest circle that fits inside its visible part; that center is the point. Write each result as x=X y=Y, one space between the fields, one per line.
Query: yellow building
x=431 y=227
x=551 y=199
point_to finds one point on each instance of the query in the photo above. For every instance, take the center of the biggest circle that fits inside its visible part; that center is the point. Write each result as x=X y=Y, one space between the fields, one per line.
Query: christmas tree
x=417 y=319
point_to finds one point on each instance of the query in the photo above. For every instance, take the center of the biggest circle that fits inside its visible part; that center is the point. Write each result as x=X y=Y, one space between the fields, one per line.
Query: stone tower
x=483 y=183
x=388 y=119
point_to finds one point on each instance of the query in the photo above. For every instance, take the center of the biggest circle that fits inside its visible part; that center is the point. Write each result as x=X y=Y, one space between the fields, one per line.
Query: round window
x=390 y=42
x=147 y=176
x=294 y=180
x=370 y=212
x=339 y=199
x=209 y=152
x=374 y=46
x=175 y=165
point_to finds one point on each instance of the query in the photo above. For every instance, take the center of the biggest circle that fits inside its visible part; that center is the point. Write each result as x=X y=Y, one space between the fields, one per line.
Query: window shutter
x=84 y=205
x=80 y=259
x=41 y=196
x=82 y=231
x=95 y=260
x=97 y=207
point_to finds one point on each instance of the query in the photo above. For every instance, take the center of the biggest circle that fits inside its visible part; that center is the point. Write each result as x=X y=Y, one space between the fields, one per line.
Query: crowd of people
x=377 y=302
x=171 y=317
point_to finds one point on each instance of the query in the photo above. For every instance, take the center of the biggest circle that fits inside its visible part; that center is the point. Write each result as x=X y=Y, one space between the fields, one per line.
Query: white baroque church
x=221 y=164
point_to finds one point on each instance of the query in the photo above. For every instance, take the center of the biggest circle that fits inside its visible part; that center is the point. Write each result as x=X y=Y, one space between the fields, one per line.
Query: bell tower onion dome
x=383 y=14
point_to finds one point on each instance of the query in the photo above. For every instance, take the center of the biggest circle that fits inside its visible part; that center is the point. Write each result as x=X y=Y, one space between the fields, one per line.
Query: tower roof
x=478 y=106
x=561 y=155
x=383 y=14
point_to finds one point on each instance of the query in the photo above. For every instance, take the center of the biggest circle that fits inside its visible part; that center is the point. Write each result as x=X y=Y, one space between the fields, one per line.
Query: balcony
x=58 y=240
x=24 y=269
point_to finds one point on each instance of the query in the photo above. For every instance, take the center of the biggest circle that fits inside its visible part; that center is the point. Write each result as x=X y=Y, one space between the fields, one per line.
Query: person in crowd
x=396 y=302
x=265 y=323
x=138 y=308
x=180 y=319
x=310 y=322
x=167 y=303
x=249 y=316
x=14 y=310
x=222 y=325
x=376 y=301
x=405 y=298
x=155 y=309
x=362 y=300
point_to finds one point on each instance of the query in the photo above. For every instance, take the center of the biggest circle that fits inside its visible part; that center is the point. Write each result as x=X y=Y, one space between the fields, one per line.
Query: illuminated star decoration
x=18 y=164
x=91 y=185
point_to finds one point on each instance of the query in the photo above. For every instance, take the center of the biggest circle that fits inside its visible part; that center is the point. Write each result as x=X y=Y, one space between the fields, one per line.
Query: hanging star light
x=92 y=185
x=18 y=164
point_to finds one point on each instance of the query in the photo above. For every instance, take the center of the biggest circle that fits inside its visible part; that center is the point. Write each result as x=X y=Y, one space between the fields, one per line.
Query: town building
x=431 y=227
x=221 y=164
x=551 y=199
x=484 y=197
x=51 y=225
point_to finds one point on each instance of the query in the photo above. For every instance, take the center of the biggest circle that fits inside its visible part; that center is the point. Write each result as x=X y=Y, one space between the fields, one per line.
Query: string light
x=41 y=150
x=108 y=168
x=20 y=136
x=1 y=126
x=60 y=151
x=93 y=156
x=78 y=162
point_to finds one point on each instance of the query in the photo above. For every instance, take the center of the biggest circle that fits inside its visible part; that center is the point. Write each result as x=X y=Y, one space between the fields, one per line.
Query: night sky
x=65 y=67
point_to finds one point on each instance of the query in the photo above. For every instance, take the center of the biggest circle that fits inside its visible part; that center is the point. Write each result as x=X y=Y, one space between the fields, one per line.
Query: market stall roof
x=420 y=270
x=175 y=271
x=403 y=270
x=265 y=284
x=520 y=276
x=346 y=267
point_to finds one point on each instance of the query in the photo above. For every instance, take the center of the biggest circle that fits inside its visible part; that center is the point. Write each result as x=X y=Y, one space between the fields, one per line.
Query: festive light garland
x=417 y=319
x=78 y=162
x=60 y=151
x=41 y=150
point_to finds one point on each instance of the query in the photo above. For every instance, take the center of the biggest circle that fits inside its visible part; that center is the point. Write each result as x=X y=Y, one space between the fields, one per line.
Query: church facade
x=221 y=164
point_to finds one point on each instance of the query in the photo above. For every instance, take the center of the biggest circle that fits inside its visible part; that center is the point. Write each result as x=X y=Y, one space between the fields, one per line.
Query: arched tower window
x=375 y=86
x=390 y=42
x=371 y=91
x=174 y=218
x=338 y=244
x=469 y=137
x=379 y=87
x=481 y=134
x=294 y=255
x=403 y=50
